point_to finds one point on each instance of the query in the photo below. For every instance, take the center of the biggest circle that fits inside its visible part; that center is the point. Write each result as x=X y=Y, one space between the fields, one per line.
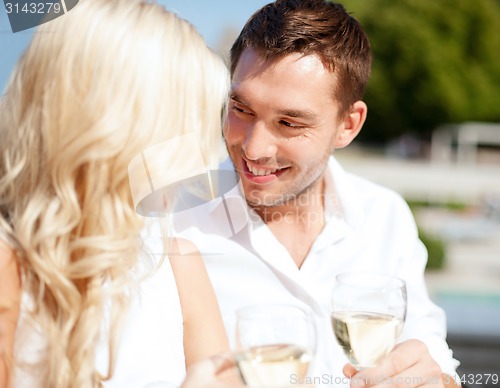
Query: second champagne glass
x=368 y=313
x=276 y=343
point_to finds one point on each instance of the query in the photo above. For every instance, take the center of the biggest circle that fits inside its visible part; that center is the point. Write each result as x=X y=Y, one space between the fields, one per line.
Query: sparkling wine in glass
x=368 y=313
x=276 y=343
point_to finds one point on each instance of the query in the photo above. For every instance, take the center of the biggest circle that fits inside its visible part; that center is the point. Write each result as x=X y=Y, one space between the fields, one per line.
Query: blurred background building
x=432 y=134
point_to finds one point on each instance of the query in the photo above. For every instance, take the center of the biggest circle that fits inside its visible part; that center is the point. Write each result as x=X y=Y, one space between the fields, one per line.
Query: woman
x=96 y=87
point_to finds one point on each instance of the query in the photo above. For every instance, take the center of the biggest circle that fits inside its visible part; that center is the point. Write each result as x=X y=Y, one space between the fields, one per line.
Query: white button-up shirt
x=368 y=227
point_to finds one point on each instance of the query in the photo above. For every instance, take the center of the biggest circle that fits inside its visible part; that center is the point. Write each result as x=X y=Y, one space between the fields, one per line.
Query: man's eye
x=288 y=124
x=240 y=109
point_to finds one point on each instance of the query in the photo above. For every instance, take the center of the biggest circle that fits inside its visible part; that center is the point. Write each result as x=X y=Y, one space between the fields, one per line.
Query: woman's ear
x=351 y=124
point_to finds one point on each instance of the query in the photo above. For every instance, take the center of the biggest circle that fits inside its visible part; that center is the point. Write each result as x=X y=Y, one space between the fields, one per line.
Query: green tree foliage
x=435 y=62
x=435 y=250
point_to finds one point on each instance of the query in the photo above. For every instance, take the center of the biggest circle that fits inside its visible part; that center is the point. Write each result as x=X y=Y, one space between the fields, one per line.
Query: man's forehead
x=253 y=61
x=293 y=69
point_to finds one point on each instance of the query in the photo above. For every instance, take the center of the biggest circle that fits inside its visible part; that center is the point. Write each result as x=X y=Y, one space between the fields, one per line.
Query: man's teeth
x=260 y=171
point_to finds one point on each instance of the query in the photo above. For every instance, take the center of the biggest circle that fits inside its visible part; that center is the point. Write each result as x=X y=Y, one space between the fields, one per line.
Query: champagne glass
x=368 y=313
x=276 y=343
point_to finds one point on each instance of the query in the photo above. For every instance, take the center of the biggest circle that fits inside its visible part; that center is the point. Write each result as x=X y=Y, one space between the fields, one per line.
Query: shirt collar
x=344 y=202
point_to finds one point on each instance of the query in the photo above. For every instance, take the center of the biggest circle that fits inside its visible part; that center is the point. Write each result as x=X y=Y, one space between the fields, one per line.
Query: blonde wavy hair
x=94 y=88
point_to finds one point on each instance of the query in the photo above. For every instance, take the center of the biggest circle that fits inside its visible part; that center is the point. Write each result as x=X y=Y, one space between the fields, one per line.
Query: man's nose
x=259 y=142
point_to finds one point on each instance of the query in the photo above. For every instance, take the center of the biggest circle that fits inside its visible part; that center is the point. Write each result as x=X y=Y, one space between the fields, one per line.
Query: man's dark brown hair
x=312 y=27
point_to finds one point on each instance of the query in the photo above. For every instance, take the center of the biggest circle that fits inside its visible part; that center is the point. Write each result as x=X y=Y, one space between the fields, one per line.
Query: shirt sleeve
x=425 y=320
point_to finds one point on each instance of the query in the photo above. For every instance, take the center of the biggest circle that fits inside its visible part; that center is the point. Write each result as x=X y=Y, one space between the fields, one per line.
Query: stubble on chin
x=259 y=199
x=300 y=186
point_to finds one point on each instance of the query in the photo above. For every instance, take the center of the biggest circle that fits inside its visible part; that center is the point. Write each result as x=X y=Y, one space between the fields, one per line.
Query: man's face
x=281 y=125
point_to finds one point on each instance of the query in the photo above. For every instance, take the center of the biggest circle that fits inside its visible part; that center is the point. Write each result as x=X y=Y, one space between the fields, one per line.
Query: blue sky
x=211 y=18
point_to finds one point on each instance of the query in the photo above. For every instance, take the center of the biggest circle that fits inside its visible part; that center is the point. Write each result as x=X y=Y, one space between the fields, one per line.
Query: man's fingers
x=415 y=376
x=404 y=356
x=408 y=365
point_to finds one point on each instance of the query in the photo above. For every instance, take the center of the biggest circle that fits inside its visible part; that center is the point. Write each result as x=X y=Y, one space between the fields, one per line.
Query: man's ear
x=351 y=124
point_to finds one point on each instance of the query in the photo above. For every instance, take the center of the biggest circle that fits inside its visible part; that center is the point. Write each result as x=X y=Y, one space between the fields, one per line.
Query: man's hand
x=408 y=365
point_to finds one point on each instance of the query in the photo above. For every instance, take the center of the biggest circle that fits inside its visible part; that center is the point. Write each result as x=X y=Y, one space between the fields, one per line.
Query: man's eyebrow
x=299 y=114
x=235 y=97
x=304 y=114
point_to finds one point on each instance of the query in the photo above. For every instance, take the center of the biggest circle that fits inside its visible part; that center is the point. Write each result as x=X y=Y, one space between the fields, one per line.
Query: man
x=299 y=70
